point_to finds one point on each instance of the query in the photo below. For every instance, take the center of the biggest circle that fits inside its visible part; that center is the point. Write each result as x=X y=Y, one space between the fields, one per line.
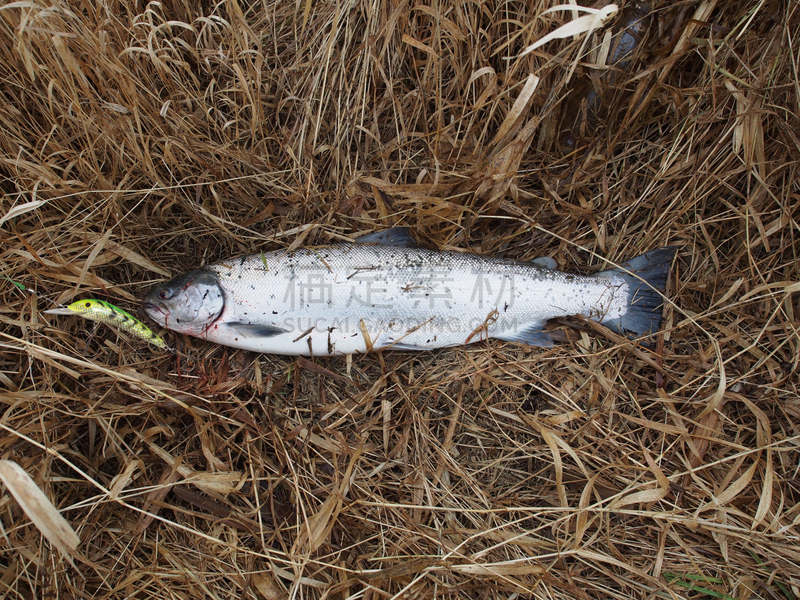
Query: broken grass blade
x=587 y=23
x=47 y=518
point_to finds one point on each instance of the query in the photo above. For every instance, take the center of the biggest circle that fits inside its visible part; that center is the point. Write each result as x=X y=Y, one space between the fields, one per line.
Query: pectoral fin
x=256 y=329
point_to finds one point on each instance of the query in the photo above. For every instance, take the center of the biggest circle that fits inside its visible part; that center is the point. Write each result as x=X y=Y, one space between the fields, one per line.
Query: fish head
x=188 y=304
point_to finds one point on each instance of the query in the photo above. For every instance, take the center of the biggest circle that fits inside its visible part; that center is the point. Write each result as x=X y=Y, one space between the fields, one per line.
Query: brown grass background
x=139 y=140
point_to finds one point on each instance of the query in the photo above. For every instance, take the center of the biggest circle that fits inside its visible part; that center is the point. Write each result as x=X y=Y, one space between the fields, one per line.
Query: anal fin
x=531 y=335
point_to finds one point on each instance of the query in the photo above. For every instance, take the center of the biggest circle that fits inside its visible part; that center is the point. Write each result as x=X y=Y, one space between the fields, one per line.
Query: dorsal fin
x=396 y=236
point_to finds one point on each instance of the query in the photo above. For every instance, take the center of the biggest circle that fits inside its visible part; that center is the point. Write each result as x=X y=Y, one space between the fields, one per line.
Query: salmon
x=384 y=292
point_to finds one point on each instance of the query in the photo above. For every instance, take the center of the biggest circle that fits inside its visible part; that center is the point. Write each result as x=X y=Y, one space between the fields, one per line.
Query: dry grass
x=141 y=139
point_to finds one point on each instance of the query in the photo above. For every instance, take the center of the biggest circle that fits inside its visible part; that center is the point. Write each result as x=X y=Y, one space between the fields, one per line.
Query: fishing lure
x=105 y=312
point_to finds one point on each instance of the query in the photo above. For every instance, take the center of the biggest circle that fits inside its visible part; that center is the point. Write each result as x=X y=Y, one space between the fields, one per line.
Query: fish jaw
x=157 y=311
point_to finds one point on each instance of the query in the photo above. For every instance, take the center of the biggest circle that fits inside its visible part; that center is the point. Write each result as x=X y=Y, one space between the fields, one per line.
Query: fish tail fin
x=646 y=276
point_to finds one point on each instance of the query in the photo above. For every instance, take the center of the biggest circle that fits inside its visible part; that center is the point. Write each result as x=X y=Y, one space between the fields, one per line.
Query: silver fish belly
x=355 y=298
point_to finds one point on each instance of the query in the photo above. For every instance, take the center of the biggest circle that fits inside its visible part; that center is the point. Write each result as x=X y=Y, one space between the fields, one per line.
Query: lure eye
x=165 y=294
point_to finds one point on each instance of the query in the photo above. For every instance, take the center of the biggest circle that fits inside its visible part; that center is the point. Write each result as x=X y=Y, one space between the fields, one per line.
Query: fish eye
x=165 y=294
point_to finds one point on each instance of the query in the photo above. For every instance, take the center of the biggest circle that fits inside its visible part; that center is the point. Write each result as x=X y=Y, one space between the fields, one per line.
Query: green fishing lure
x=105 y=312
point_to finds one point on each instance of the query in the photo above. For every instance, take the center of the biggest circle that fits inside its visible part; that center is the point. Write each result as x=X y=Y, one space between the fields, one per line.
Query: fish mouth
x=153 y=310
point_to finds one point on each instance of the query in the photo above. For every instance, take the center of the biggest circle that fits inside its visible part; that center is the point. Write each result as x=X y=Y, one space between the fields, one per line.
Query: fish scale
x=354 y=298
